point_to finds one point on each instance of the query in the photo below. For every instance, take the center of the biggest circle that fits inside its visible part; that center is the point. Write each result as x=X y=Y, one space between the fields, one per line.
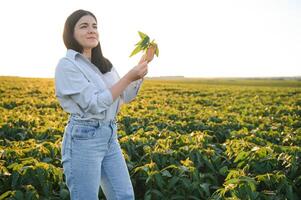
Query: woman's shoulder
x=68 y=60
x=65 y=64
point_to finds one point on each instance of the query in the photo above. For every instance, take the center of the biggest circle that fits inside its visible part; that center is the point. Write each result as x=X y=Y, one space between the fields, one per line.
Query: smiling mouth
x=89 y=38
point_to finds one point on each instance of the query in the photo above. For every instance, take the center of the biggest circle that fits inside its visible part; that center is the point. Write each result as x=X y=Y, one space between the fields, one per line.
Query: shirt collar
x=71 y=54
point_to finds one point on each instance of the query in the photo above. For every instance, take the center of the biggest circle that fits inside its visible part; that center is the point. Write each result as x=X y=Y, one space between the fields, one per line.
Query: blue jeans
x=92 y=157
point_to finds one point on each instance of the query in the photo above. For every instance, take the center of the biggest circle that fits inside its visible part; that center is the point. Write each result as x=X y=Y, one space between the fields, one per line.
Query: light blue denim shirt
x=83 y=90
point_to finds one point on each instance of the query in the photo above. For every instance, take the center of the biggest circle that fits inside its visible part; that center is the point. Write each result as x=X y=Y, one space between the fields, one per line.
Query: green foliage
x=144 y=44
x=195 y=139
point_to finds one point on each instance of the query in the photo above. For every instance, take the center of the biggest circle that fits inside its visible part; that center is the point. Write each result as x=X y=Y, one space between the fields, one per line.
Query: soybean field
x=184 y=139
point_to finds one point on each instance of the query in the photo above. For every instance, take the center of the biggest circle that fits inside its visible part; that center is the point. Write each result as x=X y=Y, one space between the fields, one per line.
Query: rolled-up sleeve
x=70 y=81
x=131 y=91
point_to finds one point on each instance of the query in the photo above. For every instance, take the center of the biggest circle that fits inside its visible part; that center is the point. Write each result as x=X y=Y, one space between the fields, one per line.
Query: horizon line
x=185 y=77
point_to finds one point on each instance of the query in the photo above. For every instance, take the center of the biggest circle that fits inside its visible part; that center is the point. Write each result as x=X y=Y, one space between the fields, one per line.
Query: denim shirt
x=83 y=91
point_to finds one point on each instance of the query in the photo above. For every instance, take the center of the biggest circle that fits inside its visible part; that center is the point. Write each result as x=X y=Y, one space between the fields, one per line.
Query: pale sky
x=196 y=38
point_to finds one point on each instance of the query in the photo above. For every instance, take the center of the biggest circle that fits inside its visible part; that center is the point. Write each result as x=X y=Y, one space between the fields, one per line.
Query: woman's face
x=85 y=32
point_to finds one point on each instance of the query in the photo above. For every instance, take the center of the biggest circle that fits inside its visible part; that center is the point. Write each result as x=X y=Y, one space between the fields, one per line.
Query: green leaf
x=19 y=195
x=209 y=163
x=31 y=194
x=157 y=51
x=170 y=167
x=159 y=181
x=173 y=182
x=157 y=193
x=64 y=194
x=15 y=178
x=205 y=187
x=145 y=42
x=6 y=194
x=148 y=195
x=241 y=156
x=232 y=181
x=142 y=35
x=135 y=51
x=186 y=182
x=166 y=173
x=252 y=186
x=223 y=170
x=140 y=41
x=193 y=197
x=177 y=196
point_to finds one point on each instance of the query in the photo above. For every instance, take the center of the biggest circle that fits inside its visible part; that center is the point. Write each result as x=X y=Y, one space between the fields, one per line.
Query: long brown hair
x=102 y=63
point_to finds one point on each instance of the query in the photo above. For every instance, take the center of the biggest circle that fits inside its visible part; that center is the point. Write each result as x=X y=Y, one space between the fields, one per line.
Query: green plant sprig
x=144 y=44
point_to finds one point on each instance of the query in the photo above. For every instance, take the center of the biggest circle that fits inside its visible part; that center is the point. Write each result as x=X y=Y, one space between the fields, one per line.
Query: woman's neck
x=87 y=53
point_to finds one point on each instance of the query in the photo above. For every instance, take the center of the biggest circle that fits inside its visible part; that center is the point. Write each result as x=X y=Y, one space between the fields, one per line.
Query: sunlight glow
x=236 y=38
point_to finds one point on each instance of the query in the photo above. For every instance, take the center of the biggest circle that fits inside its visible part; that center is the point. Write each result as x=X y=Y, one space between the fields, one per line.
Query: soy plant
x=150 y=48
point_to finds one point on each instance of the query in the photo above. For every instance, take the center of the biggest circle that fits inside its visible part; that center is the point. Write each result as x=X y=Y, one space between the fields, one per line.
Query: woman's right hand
x=139 y=71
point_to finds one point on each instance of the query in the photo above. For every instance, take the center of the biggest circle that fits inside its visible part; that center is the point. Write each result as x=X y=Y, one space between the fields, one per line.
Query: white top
x=83 y=90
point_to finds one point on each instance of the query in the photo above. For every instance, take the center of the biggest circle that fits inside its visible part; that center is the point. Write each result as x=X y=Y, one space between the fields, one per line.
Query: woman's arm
x=70 y=82
x=134 y=74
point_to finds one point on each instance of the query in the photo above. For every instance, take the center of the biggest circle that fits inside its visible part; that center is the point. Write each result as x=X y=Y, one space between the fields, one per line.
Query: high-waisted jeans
x=92 y=157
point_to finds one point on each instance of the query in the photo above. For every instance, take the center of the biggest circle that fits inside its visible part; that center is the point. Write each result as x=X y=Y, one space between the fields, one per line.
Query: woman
x=89 y=88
